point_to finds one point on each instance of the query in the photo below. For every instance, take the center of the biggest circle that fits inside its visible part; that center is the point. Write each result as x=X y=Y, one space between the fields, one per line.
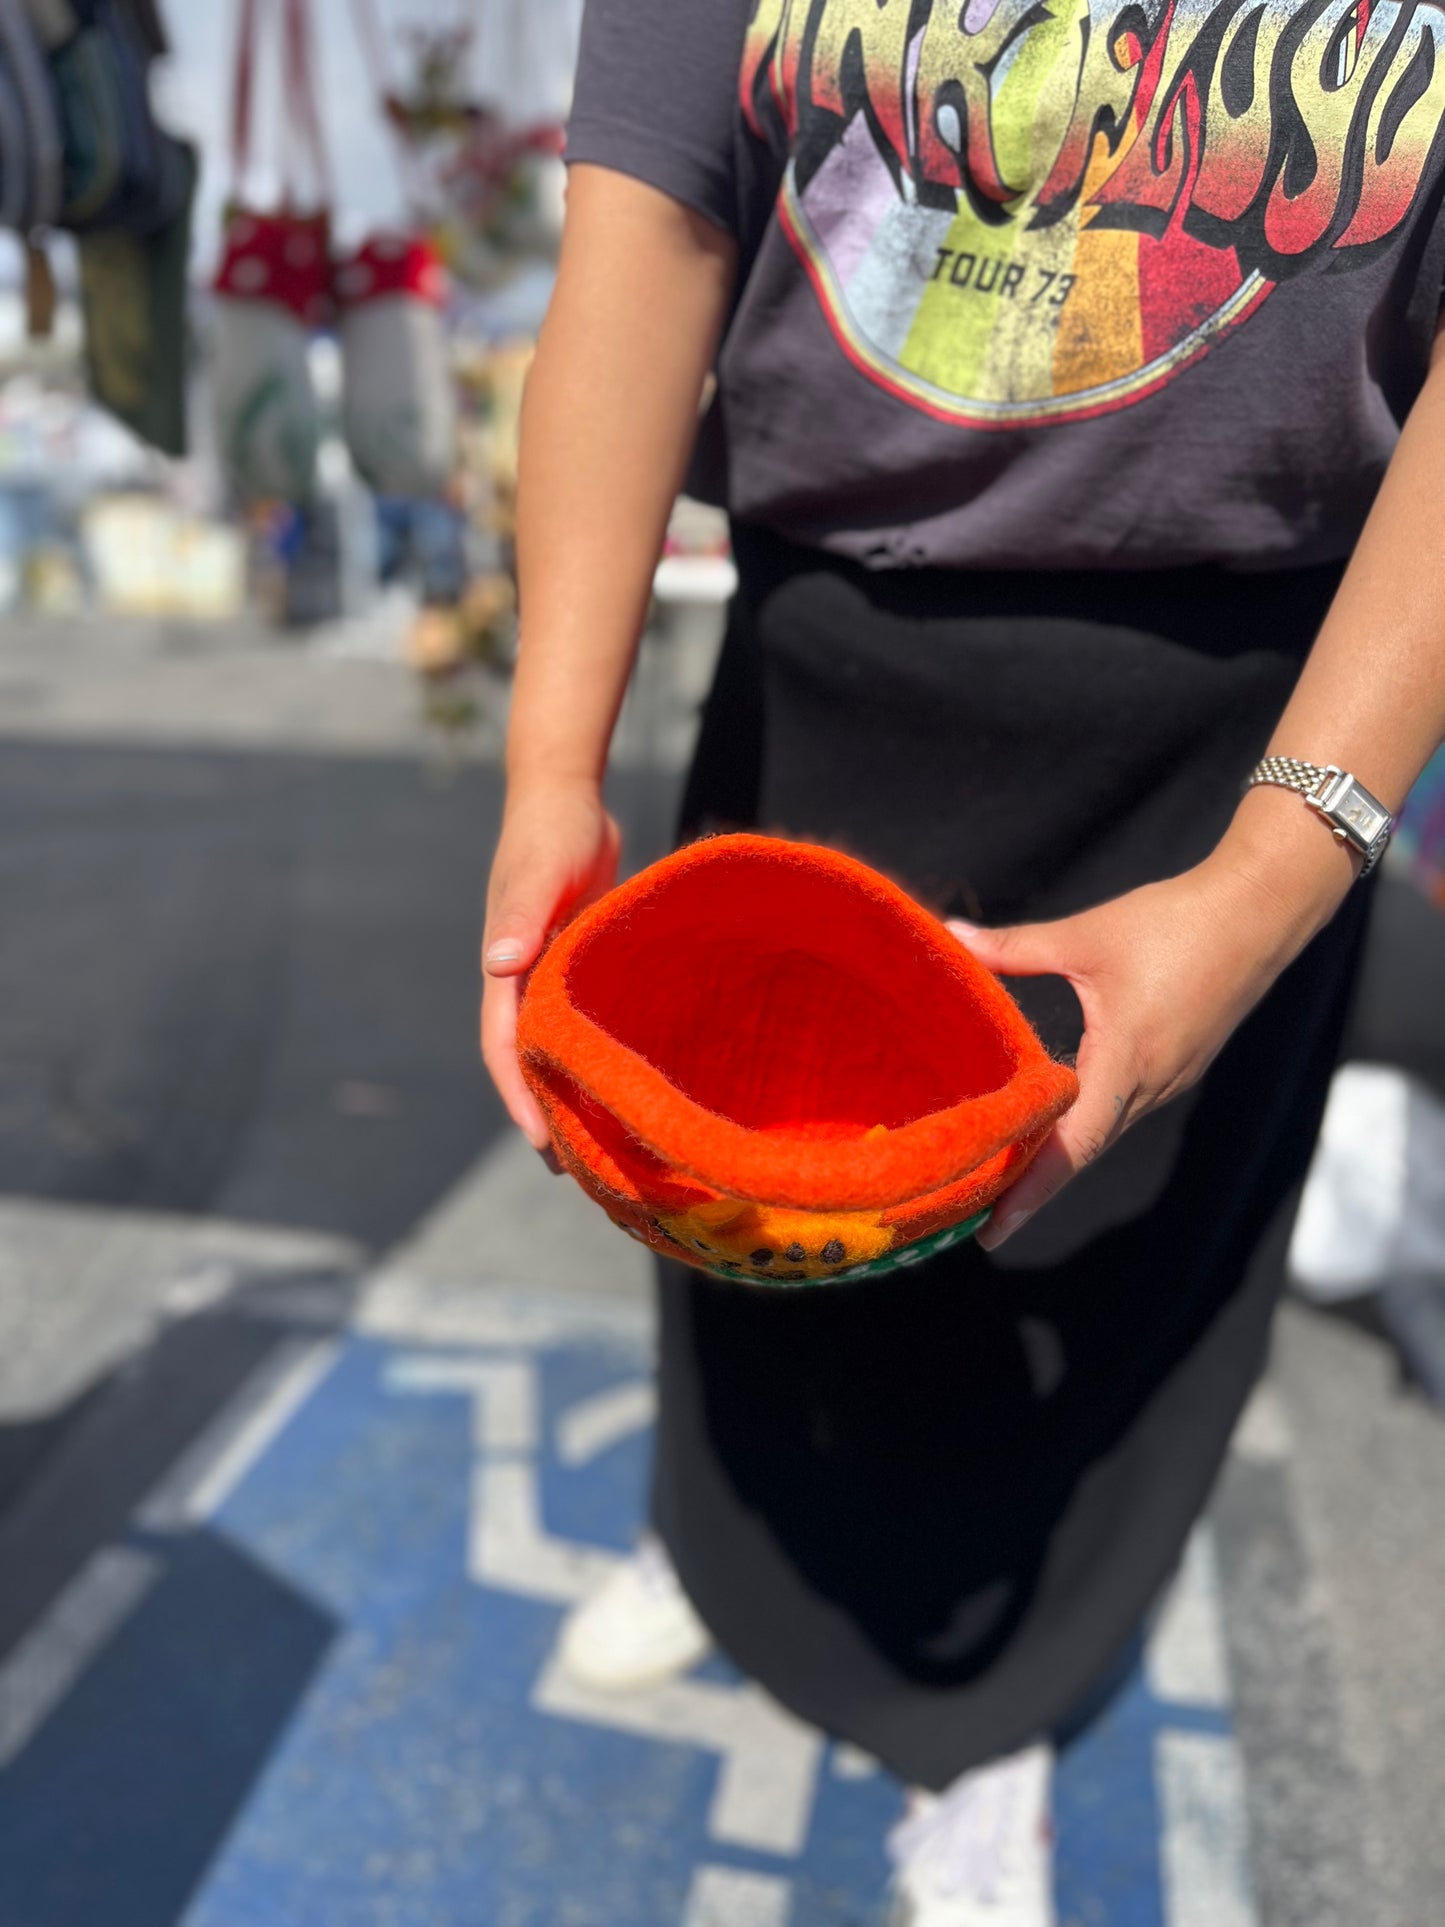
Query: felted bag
x=88 y=89
x=271 y=297
x=273 y=291
x=56 y=21
x=125 y=188
x=29 y=75
x=398 y=401
x=15 y=183
x=764 y=1059
x=134 y=294
x=120 y=169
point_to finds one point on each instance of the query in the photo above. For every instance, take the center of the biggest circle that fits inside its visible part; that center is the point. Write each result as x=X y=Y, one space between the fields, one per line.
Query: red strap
x=301 y=92
x=248 y=24
x=302 y=116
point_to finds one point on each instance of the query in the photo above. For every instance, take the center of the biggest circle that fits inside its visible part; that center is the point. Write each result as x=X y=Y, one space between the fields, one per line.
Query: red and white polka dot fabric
x=281 y=258
x=390 y=266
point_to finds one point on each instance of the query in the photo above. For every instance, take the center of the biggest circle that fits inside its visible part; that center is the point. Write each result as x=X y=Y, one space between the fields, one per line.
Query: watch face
x=1362 y=815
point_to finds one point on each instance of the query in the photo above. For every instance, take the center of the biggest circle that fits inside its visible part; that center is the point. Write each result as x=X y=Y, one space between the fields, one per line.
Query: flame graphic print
x=1024 y=211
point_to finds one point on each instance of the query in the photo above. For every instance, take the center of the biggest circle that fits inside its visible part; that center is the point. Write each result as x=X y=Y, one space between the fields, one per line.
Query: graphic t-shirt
x=1048 y=283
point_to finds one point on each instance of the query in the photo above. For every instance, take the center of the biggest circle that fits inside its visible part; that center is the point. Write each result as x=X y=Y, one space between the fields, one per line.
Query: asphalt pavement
x=320 y=1401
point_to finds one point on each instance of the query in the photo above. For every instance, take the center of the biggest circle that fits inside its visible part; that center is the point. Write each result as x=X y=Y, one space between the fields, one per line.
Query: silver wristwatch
x=1352 y=813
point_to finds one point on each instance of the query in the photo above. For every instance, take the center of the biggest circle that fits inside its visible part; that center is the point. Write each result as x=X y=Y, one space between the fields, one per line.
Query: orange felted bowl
x=766 y=1060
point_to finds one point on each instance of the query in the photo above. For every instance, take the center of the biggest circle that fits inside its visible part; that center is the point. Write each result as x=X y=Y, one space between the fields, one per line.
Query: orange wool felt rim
x=891 y=1167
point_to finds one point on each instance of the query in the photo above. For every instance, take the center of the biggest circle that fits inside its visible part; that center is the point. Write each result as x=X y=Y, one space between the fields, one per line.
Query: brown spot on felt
x=768 y=1242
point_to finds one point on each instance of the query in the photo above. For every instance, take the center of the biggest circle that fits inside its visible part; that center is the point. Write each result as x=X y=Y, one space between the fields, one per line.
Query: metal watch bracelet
x=1354 y=815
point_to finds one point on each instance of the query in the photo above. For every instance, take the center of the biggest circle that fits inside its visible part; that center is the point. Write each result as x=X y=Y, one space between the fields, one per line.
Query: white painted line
x=1186 y=1659
x=206 y=1475
x=768 y=1778
x=767 y=1781
x=48 y=1661
x=503 y=1391
x=200 y=1289
x=411 y=1308
x=1205 y=1845
x=265 y=1413
x=511 y=1550
x=308 y=1366
x=84 y=1288
x=509 y=1547
x=594 y=1425
x=725 y=1897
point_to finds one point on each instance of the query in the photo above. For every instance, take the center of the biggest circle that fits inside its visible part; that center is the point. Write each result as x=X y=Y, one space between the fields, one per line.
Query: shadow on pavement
x=119 y=1804
x=146 y=1675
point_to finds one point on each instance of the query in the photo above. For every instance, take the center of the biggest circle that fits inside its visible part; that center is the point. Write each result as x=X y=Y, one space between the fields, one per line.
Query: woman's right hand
x=557 y=853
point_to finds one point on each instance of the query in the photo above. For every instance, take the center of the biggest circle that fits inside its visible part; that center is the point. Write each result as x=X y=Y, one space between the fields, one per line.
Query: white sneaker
x=979 y=1854
x=636 y=1630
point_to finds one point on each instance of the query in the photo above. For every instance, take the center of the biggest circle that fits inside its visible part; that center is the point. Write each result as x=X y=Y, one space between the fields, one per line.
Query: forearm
x=608 y=423
x=1165 y=974
x=1372 y=695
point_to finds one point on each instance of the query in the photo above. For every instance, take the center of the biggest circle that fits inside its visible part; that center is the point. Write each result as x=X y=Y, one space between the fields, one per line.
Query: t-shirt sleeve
x=657 y=97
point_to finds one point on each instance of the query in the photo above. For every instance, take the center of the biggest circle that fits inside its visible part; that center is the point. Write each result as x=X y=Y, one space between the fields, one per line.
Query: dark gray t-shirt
x=1091 y=284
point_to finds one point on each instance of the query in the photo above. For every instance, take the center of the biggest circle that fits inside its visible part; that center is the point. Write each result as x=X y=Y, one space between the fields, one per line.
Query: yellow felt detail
x=729 y=1232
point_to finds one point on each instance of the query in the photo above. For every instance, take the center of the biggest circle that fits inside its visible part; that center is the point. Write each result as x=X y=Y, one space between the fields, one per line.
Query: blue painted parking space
x=330 y=1698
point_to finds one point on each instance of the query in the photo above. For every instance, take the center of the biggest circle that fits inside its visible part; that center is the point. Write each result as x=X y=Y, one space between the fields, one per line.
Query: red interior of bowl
x=785 y=999
x=776 y=1022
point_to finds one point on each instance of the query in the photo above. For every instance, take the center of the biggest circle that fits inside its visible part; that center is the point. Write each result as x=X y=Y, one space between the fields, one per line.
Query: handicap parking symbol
x=438 y=1509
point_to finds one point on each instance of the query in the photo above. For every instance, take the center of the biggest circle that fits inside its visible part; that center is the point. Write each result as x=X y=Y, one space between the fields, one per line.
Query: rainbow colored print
x=1016 y=214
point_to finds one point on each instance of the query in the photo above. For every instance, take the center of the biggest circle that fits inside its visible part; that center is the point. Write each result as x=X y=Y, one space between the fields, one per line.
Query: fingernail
x=504 y=953
x=1000 y=1230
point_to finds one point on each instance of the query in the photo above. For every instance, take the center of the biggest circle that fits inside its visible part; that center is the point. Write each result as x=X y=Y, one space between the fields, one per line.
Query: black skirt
x=930 y=1511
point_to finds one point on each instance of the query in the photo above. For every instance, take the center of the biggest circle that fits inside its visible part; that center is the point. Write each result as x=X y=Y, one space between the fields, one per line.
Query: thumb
x=1020 y=950
x=513 y=940
x=518 y=919
x=551 y=861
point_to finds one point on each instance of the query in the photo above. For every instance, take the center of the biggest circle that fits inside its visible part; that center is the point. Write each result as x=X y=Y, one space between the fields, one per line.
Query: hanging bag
x=399 y=405
x=124 y=187
x=39 y=198
x=273 y=288
x=399 y=408
x=88 y=85
x=14 y=153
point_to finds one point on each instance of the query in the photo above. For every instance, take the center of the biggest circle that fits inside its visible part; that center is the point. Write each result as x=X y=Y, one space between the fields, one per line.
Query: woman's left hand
x=1164 y=976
